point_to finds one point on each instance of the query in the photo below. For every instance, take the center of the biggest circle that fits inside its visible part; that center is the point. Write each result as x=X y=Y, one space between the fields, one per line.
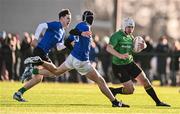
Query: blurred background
x=157 y=21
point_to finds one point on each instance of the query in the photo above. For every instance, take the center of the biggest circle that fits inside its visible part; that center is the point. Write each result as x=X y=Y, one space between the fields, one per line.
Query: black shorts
x=126 y=72
x=39 y=52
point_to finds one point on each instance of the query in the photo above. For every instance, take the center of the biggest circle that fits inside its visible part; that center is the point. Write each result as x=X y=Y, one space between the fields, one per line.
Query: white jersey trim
x=39 y=29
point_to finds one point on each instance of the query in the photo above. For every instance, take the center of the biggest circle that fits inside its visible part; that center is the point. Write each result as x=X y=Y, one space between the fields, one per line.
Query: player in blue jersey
x=79 y=60
x=54 y=36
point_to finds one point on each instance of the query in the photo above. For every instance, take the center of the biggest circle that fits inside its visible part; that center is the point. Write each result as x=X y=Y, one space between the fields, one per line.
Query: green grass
x=65 y=98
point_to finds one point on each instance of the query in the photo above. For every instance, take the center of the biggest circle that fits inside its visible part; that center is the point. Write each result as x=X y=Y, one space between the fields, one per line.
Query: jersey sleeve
x=75 y=32
x=53 y=25
x=82 y=27
x=113 y=41
x=71 y=38
x=39 y=29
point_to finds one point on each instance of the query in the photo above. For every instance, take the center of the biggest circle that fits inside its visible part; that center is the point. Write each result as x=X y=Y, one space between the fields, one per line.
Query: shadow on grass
x=81 y=105
x=154 y=107
x=53 y=105
x=11 y=103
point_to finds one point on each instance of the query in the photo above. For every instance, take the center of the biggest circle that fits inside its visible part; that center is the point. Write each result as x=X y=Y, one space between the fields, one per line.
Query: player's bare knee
x=146 y=82
x=38 y=78
x=54 y=71
x=129 y=90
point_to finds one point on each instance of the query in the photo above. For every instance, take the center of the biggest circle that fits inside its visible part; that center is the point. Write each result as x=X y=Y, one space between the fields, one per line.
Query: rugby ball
x=137 y=40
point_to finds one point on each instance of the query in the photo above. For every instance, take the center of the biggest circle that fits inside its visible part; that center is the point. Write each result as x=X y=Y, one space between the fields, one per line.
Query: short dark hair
x=64 y=12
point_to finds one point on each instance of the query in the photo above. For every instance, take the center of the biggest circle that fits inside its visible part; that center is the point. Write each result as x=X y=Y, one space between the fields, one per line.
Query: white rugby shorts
x=83 y=67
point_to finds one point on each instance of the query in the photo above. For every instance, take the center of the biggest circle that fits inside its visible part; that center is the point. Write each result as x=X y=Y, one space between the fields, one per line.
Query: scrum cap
x=128 y=22
x=88 y=17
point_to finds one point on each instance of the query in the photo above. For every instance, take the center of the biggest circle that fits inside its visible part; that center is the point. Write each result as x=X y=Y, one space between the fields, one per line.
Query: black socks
x=115 y=102
x=35 y=71
x=117 y=90
x=150 y=91
x=22 y=90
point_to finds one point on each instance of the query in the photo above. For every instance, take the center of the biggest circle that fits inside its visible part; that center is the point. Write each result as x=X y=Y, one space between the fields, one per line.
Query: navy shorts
x=126 y=72
x=39 y=52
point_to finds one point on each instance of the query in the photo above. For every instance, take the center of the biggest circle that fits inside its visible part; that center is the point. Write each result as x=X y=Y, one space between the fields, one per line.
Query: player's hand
x=123 y=56
x=86 y=33
x=142 y=45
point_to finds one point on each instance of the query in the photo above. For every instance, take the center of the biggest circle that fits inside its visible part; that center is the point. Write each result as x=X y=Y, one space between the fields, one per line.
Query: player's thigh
x=83 y=67
x=39 y=52
x=134 y=70
x=121 y=72
x=93 y=75
x=62 y=69
x=143 y=79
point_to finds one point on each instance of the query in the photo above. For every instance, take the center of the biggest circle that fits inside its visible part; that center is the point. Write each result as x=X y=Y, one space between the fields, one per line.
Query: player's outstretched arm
x=41 y=27
x=80 y=33
x=112 y=51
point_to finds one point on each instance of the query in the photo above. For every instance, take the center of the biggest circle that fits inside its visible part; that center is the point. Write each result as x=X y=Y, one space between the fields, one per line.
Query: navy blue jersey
x=54 y=34
x=82 y=44
x=71 y=37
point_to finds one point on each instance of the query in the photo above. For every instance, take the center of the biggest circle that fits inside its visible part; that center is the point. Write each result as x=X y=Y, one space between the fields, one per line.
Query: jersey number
x=76 y=38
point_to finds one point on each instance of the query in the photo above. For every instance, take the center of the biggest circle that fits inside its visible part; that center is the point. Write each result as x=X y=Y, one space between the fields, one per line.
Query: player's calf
x=122 y=90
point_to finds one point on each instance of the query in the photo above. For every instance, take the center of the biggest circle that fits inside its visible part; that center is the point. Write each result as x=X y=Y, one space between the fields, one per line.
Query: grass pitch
x=65 y=98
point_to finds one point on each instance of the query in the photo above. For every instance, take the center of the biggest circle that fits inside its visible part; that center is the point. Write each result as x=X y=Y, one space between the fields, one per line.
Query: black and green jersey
x=122 y=43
